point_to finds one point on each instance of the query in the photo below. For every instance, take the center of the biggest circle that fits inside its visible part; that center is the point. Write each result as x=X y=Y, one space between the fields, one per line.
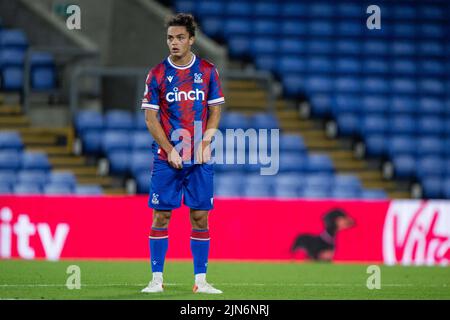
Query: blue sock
x=159 y=241
x=200 y=249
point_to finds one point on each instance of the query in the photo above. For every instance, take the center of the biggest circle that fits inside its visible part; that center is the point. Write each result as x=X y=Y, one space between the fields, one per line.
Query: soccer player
x=182 y=89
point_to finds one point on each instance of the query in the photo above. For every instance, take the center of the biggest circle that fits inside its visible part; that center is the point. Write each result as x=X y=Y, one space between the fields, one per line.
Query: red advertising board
x=406 y=232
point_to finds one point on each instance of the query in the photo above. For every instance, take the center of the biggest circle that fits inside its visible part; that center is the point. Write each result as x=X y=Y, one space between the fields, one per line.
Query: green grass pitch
x=239 y=280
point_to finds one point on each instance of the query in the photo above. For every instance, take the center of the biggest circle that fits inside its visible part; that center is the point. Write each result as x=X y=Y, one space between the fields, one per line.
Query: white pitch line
x=232 y=284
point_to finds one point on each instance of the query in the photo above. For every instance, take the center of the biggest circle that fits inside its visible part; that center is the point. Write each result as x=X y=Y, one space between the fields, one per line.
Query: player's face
x=179 y=41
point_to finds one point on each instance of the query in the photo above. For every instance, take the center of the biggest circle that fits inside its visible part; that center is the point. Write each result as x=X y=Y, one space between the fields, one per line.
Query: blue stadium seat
x=446 y=189
x=319 y=65
x=348 y=47
x=372 y=194
x=404 y=86
x=348 y=66
x=430 y=167
x=293 y=85
x=141 y=161
x=11 y=58
x=186 y=6
x=266 y=9
x=294 y=10
x=322 y=28
x=119 y=161
x=349 y=10
x=119 y=120
x=10 y=159
x=58 y=189
x=432 y=187
x=5 y=189
x=431 y=106
x=319 y=163
x=237 y=26
x=374 y=48
x=8 y=177
x=115 y=140
x=92 y=142
x=404 y=12
x=263 y=121
x=139 y=121
x=374 y=124
x=402 y=124
x=321 y=104
x=292 y=143
x=12 y=78
x=143 y=182
x=374 y=104
x=350 y=29
x=404 y=166
x=293 y=28
x=238 y=9
x=10 y=140
x=432 y=86
x=375 y=145
x=27 y=189
x=43 y=79
x=13 y=38
x=292 y=162
x=431 y=49
x=225 y=191
x=238 y=46
x=38 y=177
x=309 y=193
x=263 y=45
x=431 y=12
x=288 y=180
x=318 y=84
x=372 y=85
x=266 y=27
x=348 y=124
x=290 y=64
x=266 y=62
x=258 y=191
x=142 y=141
x=210 y=8
x=89 y=190
x=88 y=120
x=429 y=125
x=432 y=68
x=376 y=66
x=212 y=26
x=320 y=47
x=404 y=67
x=429 y=146
x=321 y=10
x=63 y=177
x=347 y=182
x=402 y=145
x=345 y=194
x=283 y=192
x=35 y=161
x=291 y=46
x=403 y=48
x=403 y=105
x=234 y=120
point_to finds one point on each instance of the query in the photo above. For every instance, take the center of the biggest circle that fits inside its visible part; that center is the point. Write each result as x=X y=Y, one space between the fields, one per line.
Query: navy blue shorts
x=194 y=182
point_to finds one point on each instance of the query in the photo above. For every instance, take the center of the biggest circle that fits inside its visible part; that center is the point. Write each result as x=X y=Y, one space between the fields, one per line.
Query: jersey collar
x=186 y=66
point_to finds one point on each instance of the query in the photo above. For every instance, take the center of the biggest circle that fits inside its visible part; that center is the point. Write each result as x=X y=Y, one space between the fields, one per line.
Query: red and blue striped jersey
x=182 y=95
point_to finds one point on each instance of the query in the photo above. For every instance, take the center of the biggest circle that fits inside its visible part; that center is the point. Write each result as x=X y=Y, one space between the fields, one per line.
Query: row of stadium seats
x=310 y=9
x=43 y=182
x=13 y=50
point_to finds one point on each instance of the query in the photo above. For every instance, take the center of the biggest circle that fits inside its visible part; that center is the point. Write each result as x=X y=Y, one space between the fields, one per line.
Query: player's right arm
x=156 y=130
x=150 y=103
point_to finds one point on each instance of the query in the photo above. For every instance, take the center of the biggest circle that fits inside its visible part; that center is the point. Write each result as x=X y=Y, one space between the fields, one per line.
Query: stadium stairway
x=58 y=144
x=247 y=96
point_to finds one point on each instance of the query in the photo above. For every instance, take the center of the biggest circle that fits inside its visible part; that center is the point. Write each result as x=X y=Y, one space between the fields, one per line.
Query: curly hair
x=183 y=20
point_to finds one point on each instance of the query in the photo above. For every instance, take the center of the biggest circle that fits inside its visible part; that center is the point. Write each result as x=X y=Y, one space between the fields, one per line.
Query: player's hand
x=174 y=159
x=203 y=153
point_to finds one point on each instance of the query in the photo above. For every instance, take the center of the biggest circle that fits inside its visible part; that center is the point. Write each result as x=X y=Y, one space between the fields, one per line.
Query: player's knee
x=199 y=220
x=161 y=219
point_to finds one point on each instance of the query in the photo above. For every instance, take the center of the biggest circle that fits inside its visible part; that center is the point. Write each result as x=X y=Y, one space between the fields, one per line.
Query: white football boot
x=154 y=286
x=205 y=287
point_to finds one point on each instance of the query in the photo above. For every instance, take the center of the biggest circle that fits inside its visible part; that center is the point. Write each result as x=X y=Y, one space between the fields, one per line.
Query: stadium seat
x=36 y=161
x=283 y=192
x=321 y=104
x=347 y=182
x=375 y=145
x=309 y=193
x=27 y=189
x=403 y=105
x=258 y=191
x=234 y=120
x=92 y=142
x=210 y=8
x=10 y=140
x=212 y=26
x=115 y=140
x=43 y=79
x=404 y=166
x=446 y=189
x=119 y=120
x=373 y=194
x=431 y=106
x=428 y=125
x=89 y=190
x=402 y=145
x=88 y=120
x=63 y=177
x=263 y=121
x=348 y=124
x=348 y=47
x=237 y=26
x=402 y=125
x=432 y=187
x=266 y=27
x=430 y=166
x=290 y=46
x=292 y=162
x=374 y=104
x=345 y=194
x=238 y=46
x=8 y=177
x=263 y=45
x=11 y=58
x=237 y=9
x=5 y=189
x=377 y=67
x=13 y=39
x=293 y=28
x=430 y=146
x=119 y=161
x=142 y=141
x=141 y=161
x=58 y=189
x=10 y=159
x=373 y=125
x=12 y=79
x=292 y=143
x=37 y=177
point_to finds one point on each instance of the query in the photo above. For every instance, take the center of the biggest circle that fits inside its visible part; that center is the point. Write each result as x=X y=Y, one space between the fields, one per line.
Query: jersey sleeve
x=215 y=95
x=151 y=93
